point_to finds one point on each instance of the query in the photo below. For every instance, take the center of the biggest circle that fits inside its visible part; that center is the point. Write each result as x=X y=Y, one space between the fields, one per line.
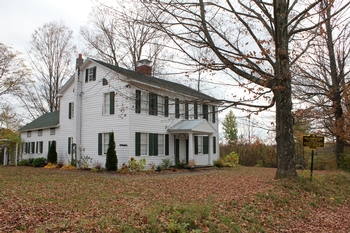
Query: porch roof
x=192 y=126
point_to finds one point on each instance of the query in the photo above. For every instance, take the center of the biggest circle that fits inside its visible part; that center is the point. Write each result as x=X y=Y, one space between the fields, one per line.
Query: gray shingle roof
x=48 y=120
x=161 y=83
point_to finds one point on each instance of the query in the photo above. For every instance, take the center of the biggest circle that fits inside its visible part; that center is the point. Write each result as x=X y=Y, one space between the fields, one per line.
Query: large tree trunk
x=282 y=93
x=336 y=95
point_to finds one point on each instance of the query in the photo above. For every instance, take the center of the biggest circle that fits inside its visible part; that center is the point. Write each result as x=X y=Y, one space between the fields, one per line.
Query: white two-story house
x=151 y=118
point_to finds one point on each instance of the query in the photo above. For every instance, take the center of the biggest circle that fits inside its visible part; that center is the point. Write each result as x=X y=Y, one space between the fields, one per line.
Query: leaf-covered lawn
x=242 y=199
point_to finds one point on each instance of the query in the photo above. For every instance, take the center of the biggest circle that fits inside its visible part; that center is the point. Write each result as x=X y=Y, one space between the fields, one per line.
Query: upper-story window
x=40 y=132
x=52 y=131
x=108 y=103
x=166 y=106
x=161 y=106
x=90 y=74
x=29 y=134
x=71 y=110
x=205 y=111
x=144 y=102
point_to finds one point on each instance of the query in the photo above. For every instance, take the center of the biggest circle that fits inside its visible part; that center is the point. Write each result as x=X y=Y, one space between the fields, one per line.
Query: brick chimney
x=144 y=67
x=79 y=61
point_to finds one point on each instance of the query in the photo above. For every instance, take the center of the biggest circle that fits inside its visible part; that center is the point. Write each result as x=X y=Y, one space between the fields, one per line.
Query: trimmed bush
x=111 y=160
x=52 y=155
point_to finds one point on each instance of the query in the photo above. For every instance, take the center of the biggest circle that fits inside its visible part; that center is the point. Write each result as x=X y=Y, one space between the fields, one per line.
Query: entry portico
x=194 y=140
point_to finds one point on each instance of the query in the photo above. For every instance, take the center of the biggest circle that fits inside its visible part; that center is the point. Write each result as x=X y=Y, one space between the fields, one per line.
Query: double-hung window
x=103 y=143
x=195 y=110
x=151 y=144
x=144 y=102
x=39 y=147
x=90 y=74
x=108 y=103
x=186 y=110
x=161 y=106
x=205 y=111
x=71 y=110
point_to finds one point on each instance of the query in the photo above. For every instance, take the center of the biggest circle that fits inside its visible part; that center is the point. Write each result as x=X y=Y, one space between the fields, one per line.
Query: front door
x=177 y=151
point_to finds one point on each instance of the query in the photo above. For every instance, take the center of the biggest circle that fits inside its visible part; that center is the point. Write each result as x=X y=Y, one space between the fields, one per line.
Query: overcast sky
x=19 y=18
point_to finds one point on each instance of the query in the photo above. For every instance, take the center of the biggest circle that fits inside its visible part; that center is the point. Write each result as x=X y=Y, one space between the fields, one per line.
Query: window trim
x=52 y=131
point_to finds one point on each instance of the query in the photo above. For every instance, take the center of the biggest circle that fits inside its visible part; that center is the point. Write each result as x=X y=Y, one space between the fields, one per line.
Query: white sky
x=19 y=18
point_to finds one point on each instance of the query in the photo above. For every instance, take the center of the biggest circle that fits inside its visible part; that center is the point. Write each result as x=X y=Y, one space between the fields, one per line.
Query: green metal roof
x=48 y=120
x=161 y=83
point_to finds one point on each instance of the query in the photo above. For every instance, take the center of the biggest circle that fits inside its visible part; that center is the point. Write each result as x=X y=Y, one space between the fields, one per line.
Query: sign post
x=313 y=141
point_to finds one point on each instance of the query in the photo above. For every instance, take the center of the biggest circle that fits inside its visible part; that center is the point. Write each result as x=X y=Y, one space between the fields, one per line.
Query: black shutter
x=206 y=145
x=155 y=143
x=87 y=75
x=155 y=106
x=195 y=110
x=166 y=106
x=166 y=144
x=111 y=102
x=99 y=145
x=150 y=107
x=36 y=151
x=205 y=111
x=69 y=145
x=94 y=74
x=42 y=146
x=196 y=145
x=151 y=144
x=177 y=108
x=138 y=102
x=214 y=145
x=213 y=113
x=186 y=110
x=70 y=111
x=137 y=144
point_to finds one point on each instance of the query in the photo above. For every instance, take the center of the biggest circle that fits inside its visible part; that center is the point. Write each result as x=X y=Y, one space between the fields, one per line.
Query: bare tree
x=13 y=72
x=118 y=36
x=323 y=81
x=257 y=40
x=51 y=52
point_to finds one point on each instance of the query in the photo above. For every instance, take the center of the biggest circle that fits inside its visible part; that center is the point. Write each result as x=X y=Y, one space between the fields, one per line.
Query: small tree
x=229 y=126
x=52 y=155
x=111 y=160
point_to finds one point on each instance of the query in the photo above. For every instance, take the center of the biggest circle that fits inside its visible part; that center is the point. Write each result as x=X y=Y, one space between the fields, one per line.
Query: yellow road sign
x=313 y=141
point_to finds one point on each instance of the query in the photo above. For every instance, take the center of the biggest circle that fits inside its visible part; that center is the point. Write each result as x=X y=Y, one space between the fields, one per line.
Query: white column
x=190 y=146
x=16 y=157
x=5 y=156
x=210 y=152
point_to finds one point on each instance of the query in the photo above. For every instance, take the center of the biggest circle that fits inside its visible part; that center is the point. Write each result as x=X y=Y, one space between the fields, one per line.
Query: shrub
x=24 y=162
x=231 y=160
x=52 y=154
x=39 y=162
x=219 y=163
x=97 y=165
x=135 y=165
x=166 y=163
x=111 y=160
x=85 y=162
x=181 y=164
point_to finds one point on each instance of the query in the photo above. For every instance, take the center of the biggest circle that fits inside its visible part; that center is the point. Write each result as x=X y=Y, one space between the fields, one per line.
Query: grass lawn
x=242 y=199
